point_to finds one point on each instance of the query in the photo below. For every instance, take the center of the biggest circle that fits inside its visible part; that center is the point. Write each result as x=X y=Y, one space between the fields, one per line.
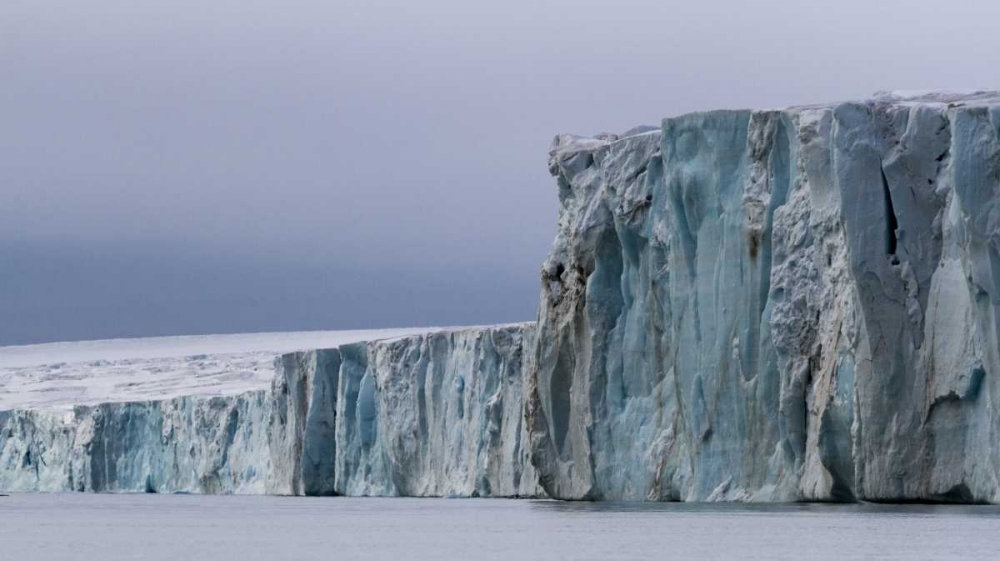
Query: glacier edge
x=792 y=305
x=778 y=305
x=315 y=431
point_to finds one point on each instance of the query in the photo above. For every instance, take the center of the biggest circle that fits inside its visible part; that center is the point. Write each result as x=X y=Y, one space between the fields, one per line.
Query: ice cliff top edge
x=66 y=374
x=950 y=99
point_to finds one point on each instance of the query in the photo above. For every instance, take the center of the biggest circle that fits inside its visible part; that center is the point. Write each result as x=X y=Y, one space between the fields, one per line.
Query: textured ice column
x=655 y=375
x=194 y=445
x=962 y=330
x=775 y=305
x=362 y=462
x=35 y=450
x=918 y=182
x=302 y=431
x=434 y=415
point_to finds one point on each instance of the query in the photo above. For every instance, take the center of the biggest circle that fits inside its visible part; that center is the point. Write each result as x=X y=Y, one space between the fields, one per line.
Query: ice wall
x=788 y=305
x=435 y=415
x=302 y=426
x=426 y=415
x=776 y=305
x=186 y=445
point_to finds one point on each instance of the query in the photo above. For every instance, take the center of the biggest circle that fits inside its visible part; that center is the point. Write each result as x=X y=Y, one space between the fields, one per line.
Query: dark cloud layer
x=185 y=167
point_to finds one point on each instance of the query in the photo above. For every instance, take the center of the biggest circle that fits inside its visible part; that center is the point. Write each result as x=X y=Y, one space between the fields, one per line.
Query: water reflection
x=715 y=509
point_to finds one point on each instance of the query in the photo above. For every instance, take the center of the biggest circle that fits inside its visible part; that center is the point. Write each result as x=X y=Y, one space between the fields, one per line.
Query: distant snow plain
x=63 y=375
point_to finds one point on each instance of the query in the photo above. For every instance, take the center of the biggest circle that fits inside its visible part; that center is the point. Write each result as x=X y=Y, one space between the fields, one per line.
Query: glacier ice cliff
x=432 y=414
x=184 y=444
x=436 y=414
x=776 y=306
x=785 y=305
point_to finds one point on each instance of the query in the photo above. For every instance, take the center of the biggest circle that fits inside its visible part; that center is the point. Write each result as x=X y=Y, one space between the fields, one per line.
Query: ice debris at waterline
x=788 y=305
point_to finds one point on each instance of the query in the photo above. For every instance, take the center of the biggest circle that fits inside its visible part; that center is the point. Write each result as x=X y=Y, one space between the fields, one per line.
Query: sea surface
x=189 y=527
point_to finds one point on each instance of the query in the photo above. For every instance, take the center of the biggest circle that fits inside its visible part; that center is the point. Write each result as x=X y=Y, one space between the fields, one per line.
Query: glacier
x=431 y=413
x=788 y=305
x=775 y=305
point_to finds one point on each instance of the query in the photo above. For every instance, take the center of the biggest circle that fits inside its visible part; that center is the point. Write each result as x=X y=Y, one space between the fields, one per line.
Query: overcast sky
x=224 y=166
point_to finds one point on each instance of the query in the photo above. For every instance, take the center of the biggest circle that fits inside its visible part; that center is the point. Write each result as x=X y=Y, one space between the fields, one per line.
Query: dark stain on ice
x=754 y=241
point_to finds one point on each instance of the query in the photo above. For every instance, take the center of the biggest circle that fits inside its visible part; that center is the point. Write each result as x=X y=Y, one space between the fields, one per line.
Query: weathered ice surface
x=435 y=415
x=166 y=414
x=187 y=444
x=776 y=305
x=302 y=427
x=789 y=305
x=439 y=413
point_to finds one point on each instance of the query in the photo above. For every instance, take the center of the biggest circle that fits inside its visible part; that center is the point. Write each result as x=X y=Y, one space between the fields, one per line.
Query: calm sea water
x=162 y=527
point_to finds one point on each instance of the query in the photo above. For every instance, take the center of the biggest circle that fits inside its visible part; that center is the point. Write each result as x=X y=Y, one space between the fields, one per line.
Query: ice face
x=186 y=444
x=739 y=305
x=434 y=414
x=775 y=305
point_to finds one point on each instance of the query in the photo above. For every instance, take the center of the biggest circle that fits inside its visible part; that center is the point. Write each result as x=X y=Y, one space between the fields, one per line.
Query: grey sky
x=186 y=167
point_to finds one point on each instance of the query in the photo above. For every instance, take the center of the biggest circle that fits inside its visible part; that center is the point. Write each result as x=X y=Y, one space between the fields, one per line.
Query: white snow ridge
x=115 y=370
